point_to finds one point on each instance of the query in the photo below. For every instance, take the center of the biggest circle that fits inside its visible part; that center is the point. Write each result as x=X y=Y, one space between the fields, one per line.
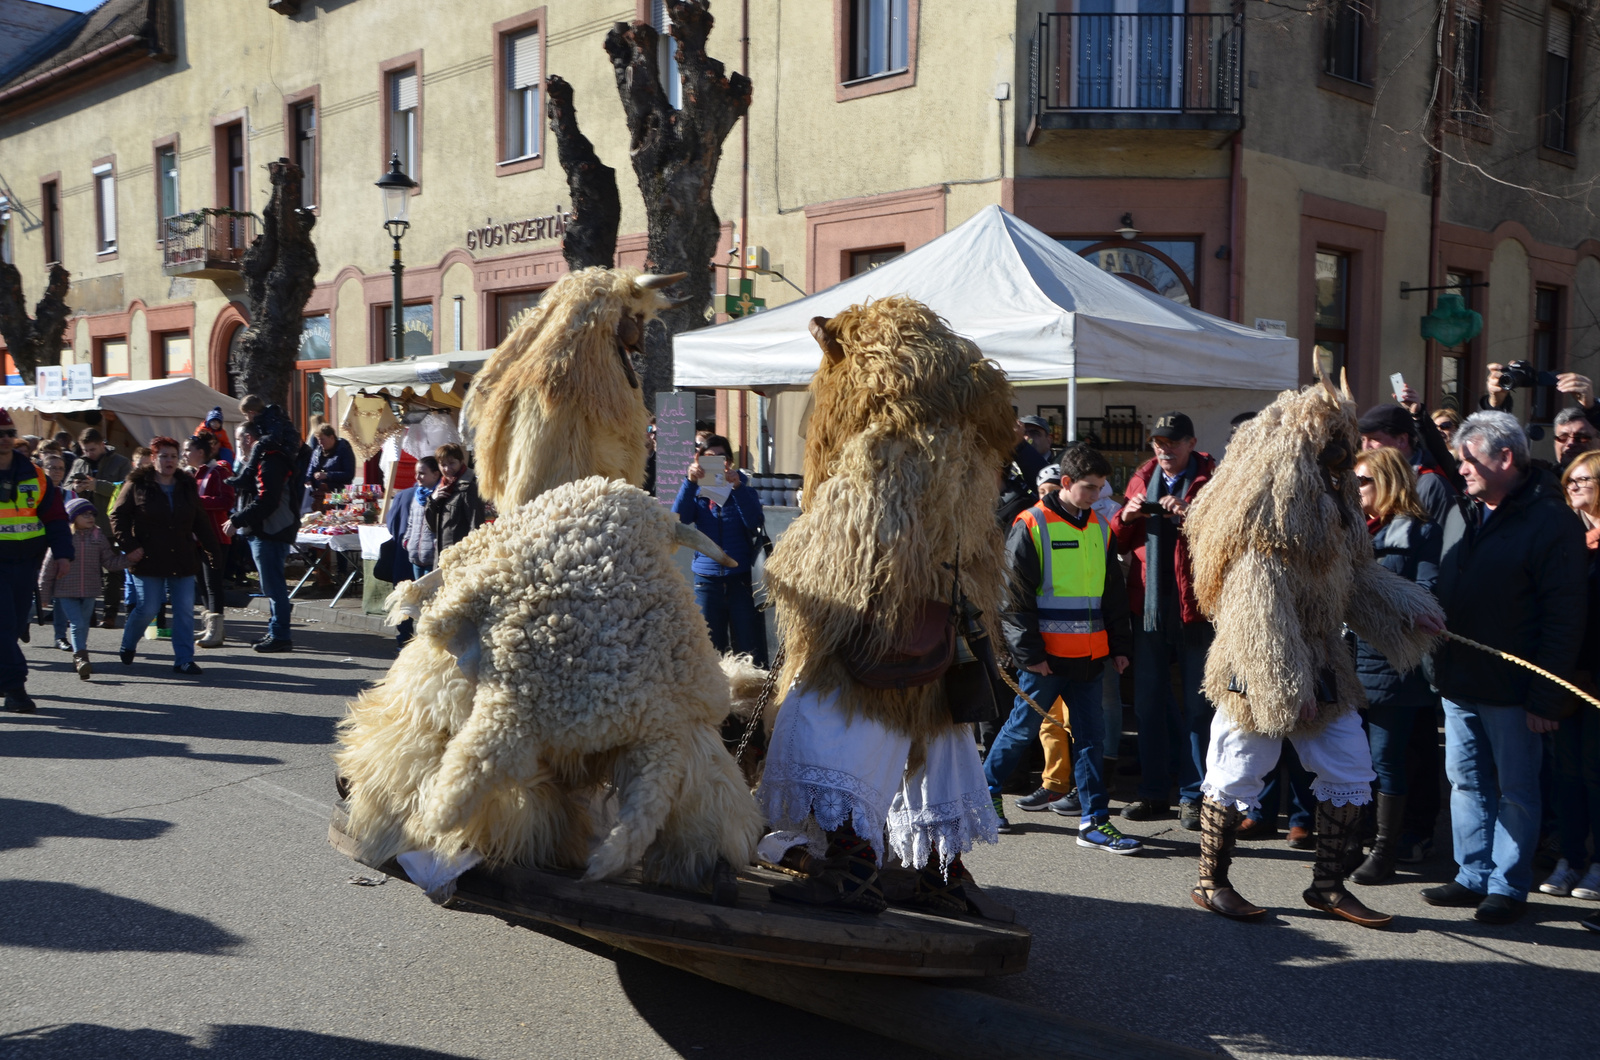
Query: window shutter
x=1558 y=33
x=523 y=70
x=405 y=90
x=108 y=209
x=660 y=20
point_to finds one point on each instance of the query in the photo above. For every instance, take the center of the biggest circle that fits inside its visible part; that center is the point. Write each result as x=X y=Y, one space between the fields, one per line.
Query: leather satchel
x=920 y=660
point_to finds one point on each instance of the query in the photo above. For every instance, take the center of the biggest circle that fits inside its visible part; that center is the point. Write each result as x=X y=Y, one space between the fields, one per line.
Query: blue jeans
x=153 y=592
x=1577 y=784
x=1389 y=732
x=58 y=618
x=76 y=613
x=18 y=583
x=1492 y=760
x=729 y=608
x=1111 y=703
x=1173 y=737
x=270 y=556
x=1084 y=714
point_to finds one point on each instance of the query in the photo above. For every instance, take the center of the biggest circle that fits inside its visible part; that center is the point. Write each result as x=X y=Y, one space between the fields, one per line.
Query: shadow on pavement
x=74 y=1041
x=52 y=915
x=209 y=722
x=24 y=823
x=50 y=743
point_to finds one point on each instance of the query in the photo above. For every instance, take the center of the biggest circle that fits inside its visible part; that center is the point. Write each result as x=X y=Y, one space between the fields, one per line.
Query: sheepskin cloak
x=1282 y=559
x=562 y=650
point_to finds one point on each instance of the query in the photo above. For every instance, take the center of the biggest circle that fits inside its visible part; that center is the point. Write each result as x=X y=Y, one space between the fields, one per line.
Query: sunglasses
x=1364 y=480
x=1576 y=436
x=8 y=433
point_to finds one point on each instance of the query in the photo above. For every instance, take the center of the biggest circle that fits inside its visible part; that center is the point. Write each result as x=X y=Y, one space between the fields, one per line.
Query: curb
x=343 y=617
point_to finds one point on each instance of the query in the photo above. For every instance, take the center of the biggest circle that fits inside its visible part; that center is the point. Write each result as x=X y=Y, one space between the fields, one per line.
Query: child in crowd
x=76 y=591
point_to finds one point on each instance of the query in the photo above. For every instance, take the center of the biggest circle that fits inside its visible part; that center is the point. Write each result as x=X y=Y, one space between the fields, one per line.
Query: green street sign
x=744 y=303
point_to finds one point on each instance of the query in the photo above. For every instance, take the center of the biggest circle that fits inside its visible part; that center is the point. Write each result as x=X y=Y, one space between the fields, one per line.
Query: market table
x=308 y=544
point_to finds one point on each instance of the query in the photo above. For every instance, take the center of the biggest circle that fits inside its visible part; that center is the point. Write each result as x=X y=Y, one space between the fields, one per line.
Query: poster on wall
x=674 y=442
x=1056 y=417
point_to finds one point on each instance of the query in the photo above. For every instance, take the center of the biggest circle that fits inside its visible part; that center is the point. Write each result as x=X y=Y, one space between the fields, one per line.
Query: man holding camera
x=1576 y=430
x=1168 y=627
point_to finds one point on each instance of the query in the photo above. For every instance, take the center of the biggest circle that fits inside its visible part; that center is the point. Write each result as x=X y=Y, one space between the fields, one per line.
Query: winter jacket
x=1021 y=622
x=1130 y=535
x=1410 y=548
x=216 y=496
x=340 y=464
x=421 y=549
x=110 y=471
x=172 y=533
x=1517 y=582
x=732 y=525
x=393 y=565
x=1438 y=497
x=268 y=503
x=455 y=510
x=82 y=580
x=51 y=509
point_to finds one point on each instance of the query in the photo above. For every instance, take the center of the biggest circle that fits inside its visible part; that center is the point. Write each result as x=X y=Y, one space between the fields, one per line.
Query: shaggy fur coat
x=908 y=428
x=563 y=650
x=1282 y=559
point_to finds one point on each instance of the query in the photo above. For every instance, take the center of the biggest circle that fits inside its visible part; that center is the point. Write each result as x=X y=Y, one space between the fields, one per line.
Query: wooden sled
x=634 y=916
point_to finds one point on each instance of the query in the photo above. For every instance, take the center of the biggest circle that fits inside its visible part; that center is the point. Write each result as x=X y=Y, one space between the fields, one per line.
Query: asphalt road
x=166 y=890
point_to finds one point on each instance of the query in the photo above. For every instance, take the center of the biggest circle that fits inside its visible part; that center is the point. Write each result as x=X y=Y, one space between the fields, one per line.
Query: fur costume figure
x=909 y=426
x=559 y=400
x=1282 y=561
x=558 y=649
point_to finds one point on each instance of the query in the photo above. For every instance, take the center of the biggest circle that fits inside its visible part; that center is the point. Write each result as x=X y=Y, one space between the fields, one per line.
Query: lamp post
x=396 y=187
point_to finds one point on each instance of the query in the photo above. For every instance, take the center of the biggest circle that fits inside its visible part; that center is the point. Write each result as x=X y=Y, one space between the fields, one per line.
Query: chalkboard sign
x=674 y=442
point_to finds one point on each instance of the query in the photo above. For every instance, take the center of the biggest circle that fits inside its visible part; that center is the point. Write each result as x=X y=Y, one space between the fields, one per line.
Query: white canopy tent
x=417 y=374
x=147 y=407
x=1045 y=314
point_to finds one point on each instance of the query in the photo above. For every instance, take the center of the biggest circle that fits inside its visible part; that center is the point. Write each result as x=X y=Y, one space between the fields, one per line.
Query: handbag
x=919 y=660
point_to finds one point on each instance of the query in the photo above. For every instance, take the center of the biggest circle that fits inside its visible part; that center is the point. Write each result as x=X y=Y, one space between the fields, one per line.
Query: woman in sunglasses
x=33 y=518
x=1405 y=541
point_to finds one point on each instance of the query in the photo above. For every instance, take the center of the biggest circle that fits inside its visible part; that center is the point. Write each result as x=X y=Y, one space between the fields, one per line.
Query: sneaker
x=1145 y=810
x=274 y=644
x=1039 y=800
x=62 y=644
x=1068 y=806
x=187 y=668
x=1105 y=836
x=1561 y=880
x=1189 y=815
x=1589 y=887
x=126 y=655
x=1000 y=812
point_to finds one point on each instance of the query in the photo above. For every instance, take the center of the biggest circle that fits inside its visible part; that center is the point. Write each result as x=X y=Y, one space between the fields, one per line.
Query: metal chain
x=761 y=702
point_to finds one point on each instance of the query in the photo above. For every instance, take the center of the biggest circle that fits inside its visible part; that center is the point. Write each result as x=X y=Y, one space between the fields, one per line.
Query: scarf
x=1154 y=525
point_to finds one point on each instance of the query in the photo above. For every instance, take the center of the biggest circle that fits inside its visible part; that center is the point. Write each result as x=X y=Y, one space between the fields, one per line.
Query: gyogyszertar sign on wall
x=528 y=230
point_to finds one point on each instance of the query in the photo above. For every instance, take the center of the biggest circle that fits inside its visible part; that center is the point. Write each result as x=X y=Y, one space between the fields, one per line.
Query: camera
x=1522 y=374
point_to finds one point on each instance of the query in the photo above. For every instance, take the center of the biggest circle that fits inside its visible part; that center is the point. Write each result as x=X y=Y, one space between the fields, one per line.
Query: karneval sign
x=527 y=230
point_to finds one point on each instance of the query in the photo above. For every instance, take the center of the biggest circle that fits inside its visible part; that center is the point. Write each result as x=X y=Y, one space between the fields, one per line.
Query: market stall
x=145 y=408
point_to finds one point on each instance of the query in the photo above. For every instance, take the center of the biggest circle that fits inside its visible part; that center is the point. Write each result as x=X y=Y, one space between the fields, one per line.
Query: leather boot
x=80 y=662
x=1219 y=827
x=849 y=879
x=1338 y=832
x=211 y=634
x=1379 y=865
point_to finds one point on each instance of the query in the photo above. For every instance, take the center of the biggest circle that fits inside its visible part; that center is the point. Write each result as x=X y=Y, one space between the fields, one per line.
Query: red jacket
x=1130 y=537
x=216 y=496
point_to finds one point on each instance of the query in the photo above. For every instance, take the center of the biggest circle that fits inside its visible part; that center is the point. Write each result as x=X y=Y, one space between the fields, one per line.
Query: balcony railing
x=208 y=243
x=1134 y=71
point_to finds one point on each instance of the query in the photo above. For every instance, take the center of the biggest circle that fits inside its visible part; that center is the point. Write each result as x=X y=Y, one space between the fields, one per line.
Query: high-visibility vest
x=1072 y=581
x=19 y=517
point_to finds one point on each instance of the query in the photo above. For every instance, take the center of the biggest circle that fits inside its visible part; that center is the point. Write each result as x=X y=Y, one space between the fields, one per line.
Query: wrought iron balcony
x=209 y=244
x=1137 y=71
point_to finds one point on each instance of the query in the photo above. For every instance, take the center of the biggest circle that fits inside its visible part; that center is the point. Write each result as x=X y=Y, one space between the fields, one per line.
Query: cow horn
x=688 y=537
x=1344 y=385
x=654 y=281
x=830 y=345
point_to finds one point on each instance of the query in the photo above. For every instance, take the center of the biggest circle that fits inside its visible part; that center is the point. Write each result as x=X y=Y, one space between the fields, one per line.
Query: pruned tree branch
x=591 y=236
x=35 y=341
x=280 y=271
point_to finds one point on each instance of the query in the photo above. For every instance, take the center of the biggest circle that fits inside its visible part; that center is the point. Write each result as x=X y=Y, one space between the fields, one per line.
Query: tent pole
x=1072 y=407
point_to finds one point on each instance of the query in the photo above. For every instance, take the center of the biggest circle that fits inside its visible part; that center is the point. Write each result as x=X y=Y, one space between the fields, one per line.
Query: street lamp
x=396 y=187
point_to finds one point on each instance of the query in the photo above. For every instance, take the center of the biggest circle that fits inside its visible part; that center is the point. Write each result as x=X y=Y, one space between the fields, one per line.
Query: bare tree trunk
x=36 y=341
x=675 y=155
x=591 y=236
x=280 y=270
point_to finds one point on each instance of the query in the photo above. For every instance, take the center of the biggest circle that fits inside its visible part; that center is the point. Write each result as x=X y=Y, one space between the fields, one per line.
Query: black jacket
x=1409 y=548
x=268 y=505
x=339 y=464
x=455 y=513
x=1021 y=623
x=1518 y=583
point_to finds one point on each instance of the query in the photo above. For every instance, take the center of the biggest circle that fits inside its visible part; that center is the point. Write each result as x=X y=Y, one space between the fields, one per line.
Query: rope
x=1029 y=700
x=1568 y=685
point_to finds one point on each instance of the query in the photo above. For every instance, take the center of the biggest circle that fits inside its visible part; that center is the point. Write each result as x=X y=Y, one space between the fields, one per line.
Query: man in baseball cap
x=34 y=518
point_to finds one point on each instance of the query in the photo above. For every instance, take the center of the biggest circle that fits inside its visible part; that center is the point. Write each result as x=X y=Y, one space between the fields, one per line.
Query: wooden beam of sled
x=946 y=1021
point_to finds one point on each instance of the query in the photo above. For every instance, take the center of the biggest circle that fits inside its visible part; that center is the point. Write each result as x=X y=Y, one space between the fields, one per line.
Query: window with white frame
x=105 y=207
x=167 y=177
x=879 y=36
x=667 y=53
x=524 y=80
x=403 y=100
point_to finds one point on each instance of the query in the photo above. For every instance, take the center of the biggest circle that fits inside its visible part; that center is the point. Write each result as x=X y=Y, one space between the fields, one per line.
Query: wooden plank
x=946 y=1021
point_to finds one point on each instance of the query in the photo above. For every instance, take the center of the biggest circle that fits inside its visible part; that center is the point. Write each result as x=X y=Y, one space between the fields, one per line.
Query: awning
x=436 y=375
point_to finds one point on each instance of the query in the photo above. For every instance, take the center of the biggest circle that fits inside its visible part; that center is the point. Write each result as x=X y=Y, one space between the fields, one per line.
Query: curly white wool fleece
x=593 y=664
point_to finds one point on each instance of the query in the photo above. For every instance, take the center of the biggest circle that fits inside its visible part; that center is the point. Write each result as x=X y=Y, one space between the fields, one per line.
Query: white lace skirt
x=823 y=766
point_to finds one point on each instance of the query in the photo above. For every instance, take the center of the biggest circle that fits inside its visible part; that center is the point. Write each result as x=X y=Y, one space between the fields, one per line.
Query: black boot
x=1379 y=865
x=1219 y=827
x=17 y=701
x=1338 y=832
